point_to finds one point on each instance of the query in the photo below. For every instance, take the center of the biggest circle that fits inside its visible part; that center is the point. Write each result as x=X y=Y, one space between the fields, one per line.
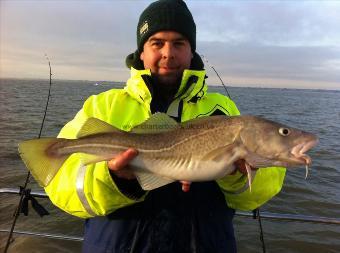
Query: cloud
x=284 y=42
x=76 y=35
x=249 y=42
x=269 y=22
x=258 y=62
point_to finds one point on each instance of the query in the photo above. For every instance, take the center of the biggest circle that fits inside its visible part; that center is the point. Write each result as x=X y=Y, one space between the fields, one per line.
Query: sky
x=286 y=44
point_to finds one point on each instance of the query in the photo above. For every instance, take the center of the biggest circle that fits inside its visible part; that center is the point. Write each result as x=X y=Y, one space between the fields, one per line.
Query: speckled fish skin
x=197 y=150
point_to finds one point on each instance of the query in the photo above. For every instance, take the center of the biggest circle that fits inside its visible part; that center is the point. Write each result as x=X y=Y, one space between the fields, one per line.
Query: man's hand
x=120 y=164
x=240 y=165
x=185 y=185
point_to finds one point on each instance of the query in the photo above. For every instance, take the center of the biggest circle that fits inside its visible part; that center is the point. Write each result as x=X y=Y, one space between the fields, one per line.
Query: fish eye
x=284 y=131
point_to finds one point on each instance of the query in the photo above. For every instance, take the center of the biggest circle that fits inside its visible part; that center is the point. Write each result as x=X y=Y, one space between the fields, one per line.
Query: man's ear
x=141 y=57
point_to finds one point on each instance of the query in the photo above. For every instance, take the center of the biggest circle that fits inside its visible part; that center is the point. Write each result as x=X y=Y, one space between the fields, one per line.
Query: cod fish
x=201 y=149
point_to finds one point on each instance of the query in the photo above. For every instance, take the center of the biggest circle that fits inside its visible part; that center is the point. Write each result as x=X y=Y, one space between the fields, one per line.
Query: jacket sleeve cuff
x=266 y=184
x=130 y=188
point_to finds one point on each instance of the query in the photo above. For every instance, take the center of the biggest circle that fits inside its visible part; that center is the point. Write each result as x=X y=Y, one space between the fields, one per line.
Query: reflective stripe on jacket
x=88 y=191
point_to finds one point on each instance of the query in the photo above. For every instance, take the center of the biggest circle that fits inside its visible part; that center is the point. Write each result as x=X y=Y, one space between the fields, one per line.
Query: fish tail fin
x=40 y=163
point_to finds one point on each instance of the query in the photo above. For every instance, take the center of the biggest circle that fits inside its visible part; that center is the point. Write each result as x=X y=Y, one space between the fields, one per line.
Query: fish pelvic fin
x=42 y=165
x=149 y=181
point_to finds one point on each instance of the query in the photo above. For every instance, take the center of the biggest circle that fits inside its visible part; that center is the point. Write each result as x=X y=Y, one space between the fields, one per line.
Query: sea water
x=318 y=111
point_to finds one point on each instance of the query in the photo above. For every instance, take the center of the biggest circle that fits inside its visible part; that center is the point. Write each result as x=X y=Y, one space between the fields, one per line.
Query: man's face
x=167 y=54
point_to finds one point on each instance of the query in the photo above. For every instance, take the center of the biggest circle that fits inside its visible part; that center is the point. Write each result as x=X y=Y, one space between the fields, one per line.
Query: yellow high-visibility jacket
x=87 y=191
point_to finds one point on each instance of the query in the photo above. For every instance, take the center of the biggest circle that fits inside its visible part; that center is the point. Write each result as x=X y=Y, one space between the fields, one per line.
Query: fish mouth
x=299 y=150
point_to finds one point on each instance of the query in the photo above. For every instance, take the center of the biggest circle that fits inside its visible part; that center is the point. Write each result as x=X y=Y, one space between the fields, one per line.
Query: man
x=166 y=76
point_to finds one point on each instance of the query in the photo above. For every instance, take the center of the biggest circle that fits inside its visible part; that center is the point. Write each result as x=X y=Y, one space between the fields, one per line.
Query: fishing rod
x=219 y=77
x=24 y=192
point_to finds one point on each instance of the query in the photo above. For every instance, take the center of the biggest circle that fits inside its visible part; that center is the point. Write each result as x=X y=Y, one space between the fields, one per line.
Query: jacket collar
x=192 y=85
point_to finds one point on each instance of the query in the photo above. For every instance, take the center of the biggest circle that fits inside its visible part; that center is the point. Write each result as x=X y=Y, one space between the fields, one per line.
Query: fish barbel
x=201 y=149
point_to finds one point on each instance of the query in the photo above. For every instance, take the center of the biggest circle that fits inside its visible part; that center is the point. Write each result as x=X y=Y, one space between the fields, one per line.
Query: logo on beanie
x=144 y=28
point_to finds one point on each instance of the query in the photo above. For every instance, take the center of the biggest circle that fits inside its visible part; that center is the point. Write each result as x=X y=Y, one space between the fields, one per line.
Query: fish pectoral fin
x=149 y=181
x=227 y=153
x=157 y=123
x=96 y=126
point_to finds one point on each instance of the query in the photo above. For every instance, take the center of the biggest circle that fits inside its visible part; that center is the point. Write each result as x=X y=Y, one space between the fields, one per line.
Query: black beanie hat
x=164 y=15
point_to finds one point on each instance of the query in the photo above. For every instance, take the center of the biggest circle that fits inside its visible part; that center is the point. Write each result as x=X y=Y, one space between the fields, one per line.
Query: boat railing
x=264 y=215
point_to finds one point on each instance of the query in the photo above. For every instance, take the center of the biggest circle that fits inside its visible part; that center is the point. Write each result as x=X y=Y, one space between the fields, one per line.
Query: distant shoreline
x=122 y=83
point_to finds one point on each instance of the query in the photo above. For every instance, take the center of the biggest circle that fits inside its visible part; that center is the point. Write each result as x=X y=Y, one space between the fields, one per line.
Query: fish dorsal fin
x=96 y=126
x=202 y=121
x=157 y=123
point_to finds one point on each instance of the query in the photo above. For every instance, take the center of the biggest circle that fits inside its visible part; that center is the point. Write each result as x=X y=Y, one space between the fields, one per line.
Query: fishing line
x=23 y=189
x=256 y=214
x=211 y=66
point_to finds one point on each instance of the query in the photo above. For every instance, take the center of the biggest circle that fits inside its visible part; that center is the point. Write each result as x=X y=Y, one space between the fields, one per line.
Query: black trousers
x=168 y=220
